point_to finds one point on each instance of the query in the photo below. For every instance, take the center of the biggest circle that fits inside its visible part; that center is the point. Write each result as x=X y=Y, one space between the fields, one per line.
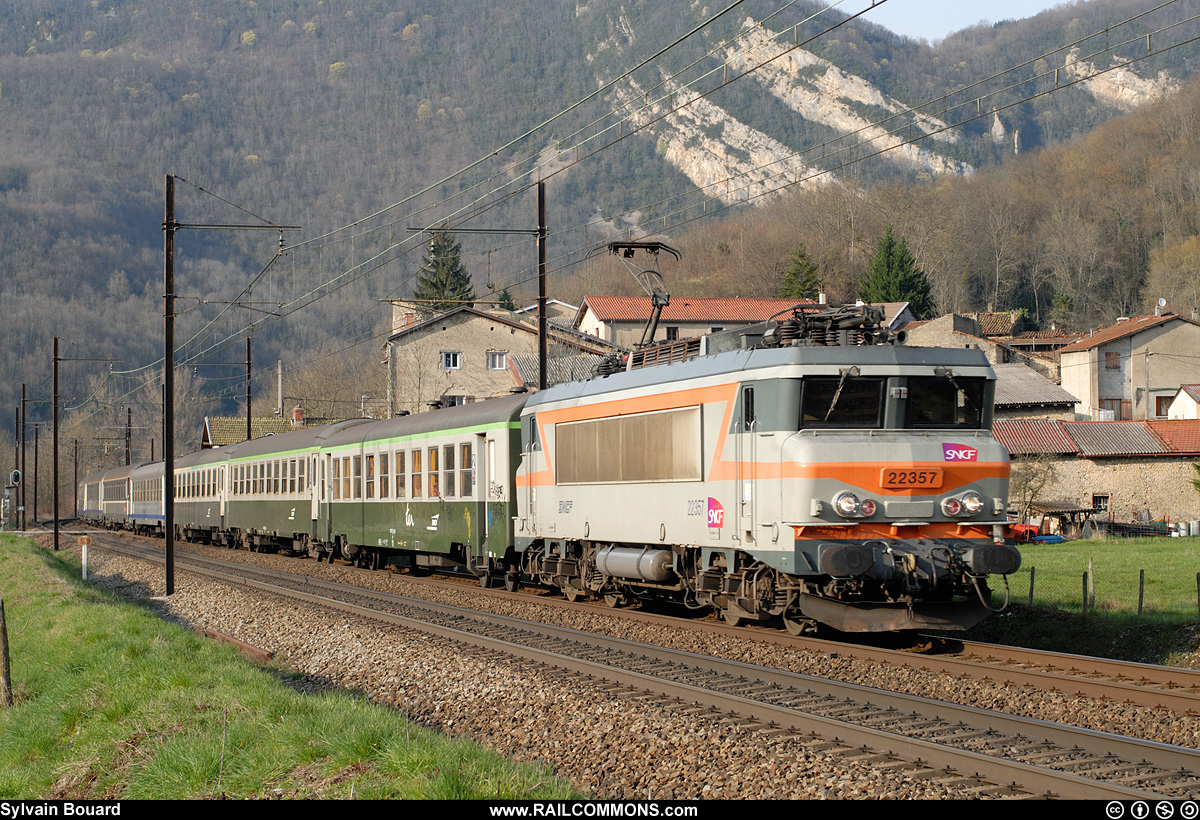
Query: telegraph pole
x=35 y=473
x=170 y=226
x=24 y=434
x=541 y=244
x=54 y=418
x=249 y=429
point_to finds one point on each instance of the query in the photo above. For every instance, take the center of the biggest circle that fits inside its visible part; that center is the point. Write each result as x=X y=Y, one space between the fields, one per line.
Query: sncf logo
x=716 y=514
x=958 y=452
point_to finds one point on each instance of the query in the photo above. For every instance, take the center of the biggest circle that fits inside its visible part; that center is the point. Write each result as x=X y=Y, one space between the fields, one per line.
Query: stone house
x=1132 y=370
x=1123 y=470
x=466 y=354
x=957 y=330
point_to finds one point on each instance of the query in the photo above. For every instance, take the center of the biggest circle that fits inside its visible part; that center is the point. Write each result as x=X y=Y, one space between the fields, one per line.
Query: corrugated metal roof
x=1113 y=438
x=637 y=309
x=1020 y=386
x=1023 y=437
x=1118 y=331
x=1180 y=436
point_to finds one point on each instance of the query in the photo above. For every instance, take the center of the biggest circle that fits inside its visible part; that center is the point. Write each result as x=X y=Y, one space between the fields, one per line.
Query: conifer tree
x=894 y=277
x=800 y=280
x=506 y=300
x=443 y=280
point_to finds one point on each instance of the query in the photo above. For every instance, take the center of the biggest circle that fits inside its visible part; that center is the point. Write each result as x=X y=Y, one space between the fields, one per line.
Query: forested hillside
x=331 y=113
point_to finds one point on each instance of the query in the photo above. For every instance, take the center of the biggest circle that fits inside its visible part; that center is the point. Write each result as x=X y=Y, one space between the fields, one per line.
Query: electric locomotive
x=819 y=473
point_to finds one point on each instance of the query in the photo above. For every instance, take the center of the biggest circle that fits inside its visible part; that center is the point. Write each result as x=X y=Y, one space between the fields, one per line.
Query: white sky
x=934 y=19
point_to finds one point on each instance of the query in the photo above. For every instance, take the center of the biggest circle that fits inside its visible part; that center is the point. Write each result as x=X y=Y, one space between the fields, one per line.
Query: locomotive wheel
x=512 y=581
x=613 y=600
x=731 y=618
x=487 y=580
x=572 y=594
x=800 y=625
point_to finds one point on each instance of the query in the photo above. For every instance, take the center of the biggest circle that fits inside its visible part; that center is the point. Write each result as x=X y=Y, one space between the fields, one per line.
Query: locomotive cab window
x=946 y=401
x=842 y=401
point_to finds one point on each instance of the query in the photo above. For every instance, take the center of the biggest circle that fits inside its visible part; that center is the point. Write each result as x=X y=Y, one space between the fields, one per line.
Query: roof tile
x=1113 y=438
x=1023 y=437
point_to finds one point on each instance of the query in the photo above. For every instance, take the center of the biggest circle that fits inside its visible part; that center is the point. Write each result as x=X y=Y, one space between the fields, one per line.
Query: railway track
x=987 y=752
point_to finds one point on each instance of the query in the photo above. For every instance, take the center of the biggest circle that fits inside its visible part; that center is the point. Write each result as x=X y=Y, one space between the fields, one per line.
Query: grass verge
x=112 y=702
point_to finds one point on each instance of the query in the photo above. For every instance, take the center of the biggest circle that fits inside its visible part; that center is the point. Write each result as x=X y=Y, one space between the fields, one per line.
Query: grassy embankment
x=1165 y=633
x=113 y=702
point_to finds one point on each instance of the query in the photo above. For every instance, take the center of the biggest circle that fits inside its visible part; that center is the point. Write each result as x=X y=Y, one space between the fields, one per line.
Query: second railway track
x=1037 y=756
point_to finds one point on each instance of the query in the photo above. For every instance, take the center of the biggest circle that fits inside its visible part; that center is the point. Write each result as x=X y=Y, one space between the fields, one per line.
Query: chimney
x=297 y=416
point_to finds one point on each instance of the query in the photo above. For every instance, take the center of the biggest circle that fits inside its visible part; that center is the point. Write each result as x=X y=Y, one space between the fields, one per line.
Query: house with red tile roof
x=1132 y=370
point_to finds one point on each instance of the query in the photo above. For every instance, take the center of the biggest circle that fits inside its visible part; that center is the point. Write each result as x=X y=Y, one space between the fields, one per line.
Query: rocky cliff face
x=820 y=92
x=1119 y=87
x=722 y=156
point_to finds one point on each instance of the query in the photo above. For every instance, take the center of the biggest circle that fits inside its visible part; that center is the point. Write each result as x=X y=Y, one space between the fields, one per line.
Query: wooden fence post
x=1032 y=572
x=5 y=675
x=1141 y=590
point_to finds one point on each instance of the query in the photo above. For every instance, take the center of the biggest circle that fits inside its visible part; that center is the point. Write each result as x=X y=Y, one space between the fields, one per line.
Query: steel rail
x=1036 y=779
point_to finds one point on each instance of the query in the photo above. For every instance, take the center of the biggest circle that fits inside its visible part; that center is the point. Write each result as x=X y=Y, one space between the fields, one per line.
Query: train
x=812 y=471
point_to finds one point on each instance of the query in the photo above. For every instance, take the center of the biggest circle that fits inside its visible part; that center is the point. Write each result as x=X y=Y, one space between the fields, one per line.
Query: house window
x=716 y=329
x=672 y=334
x=1099 y=503
x=497 y=360
x=1122 y=409
x=1112 y=360
x=451 y=360
x=454 y=401
x=1162 y=404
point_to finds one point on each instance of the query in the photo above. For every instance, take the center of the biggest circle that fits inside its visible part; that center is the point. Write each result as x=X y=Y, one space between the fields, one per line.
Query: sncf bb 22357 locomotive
x=810 y=471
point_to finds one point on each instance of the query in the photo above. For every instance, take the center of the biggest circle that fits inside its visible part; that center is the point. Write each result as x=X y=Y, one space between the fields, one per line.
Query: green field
x=113 y=702
x=1170 y=566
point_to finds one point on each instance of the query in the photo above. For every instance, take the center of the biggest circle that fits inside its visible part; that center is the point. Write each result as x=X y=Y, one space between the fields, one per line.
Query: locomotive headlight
x=846 y=504
x=972 y=502
x=952 y=507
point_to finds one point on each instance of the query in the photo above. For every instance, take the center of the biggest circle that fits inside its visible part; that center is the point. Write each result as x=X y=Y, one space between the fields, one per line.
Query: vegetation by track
x=113 y=702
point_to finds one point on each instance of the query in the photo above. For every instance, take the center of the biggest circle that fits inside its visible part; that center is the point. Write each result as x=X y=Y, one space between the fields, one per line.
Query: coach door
x=315 y=488
x=747 y=477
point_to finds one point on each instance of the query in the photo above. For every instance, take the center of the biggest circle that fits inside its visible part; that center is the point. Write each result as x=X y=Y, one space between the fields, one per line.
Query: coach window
x=292 y=475
x=400 y=476
x=358 y=476
x=433 y=472
x=346 y=477
x=337 y=479
x=280 y=477
x=383 y=475
x=300 y=475
x=370 y=476
x=416 y=474
x=448 y=468
x=466 y=482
